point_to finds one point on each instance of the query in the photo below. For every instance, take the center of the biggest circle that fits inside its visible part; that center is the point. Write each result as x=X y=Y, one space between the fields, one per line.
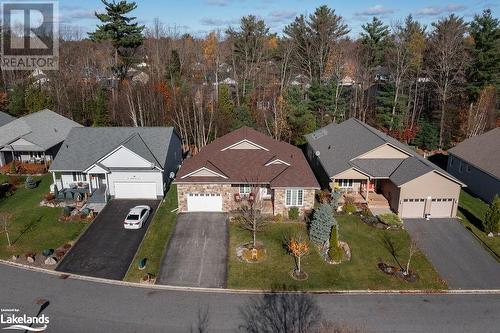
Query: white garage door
x=135 y=190
x=441 y=207
x=204 y=202
x=413 y=208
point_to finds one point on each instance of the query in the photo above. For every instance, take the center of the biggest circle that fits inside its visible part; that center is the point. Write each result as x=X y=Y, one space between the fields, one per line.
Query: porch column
x=366 y=189
x=54 y=178
x=89 y=178
x=107 y=188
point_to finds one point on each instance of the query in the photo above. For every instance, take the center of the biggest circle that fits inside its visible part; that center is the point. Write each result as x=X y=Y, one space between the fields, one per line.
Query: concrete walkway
x=458 y=257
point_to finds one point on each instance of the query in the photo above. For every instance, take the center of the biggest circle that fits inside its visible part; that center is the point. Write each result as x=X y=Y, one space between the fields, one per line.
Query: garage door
x=441 y=207
x=413 y=208
x=135 y=190
x=204 y=202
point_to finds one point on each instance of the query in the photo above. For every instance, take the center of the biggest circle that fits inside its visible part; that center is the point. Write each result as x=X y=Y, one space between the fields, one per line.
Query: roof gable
x=204 y=172
x=244 y=144
x=124 y=157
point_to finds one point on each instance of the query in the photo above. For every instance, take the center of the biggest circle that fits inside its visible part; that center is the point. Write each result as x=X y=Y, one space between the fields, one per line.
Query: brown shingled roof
x=249 y=165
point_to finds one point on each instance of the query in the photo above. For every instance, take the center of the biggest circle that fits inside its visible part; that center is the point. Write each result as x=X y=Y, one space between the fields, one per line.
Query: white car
x=136 y=217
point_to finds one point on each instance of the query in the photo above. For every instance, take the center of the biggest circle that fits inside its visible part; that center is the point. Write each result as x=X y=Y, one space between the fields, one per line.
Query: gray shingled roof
x=376 y=167
x=43 y=129
x=85 y=146
x=482 y=151
x=340 y=144
x=5 y=118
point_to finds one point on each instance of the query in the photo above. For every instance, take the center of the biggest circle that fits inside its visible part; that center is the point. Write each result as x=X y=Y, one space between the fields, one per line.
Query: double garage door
x=135 y=190
x=204 y=202
x=439 y=207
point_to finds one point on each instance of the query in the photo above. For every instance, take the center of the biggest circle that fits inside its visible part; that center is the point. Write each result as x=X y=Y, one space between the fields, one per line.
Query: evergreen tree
x=485 y=66
x=29 y=183
x=491 y=221
x=226 y=110
x=321 y=100
x=17 y=106
x=375 y=37
x=242 y=117
x=385 y=102
x=427 y=136
x=37 y=99
x=100 y=109
x=321 y=224
x=299 y=117
x=125 y=35
x=174 y=66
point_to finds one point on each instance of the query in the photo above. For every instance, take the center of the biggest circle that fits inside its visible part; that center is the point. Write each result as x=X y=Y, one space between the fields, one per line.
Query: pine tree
x=299 y=117
x=29 y=183
x=174 y=66
x=37 y=99
x=491 y=221
x=375 y=37
x=321 y=224
x=100 y=109
x=226 y=110
x=485 y=66
x=125 y=35
x=17 y=106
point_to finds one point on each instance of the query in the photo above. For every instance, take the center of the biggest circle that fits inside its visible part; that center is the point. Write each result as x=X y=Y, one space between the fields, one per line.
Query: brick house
x=246 y=165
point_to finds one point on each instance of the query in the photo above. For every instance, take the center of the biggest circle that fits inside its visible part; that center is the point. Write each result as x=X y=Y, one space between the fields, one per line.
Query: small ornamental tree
x=298 y=247
x=250 y=215
x=491 y=221
x=335 y=199
x=335 y=252
x=321 y=224
x=29 y=183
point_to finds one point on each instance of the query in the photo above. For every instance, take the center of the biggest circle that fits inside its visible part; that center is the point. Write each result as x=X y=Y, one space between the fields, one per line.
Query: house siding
x=478 y=182
x=136 y=177
x=385 y=151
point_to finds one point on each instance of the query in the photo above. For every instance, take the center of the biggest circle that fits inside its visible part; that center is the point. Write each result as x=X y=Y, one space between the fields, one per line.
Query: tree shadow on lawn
x=28 y=228
x=472 y=218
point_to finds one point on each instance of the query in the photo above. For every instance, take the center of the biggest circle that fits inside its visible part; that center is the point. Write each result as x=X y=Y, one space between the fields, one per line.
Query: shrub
x=335 y=252
x=491 y=222
x=349 y=208
x=278 y=218
x=390 y=219
x=293 y=213
x=321 y=224
x=29 y=183
x=49 y=196
x=324 y=196
x=13 y=167
x=67 y=211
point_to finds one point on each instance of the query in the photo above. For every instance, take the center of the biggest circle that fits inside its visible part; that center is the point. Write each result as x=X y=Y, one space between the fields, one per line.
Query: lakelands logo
x=23 y=322
x=30 y=37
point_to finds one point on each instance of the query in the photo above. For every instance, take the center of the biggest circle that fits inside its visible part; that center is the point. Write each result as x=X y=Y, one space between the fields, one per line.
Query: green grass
x=472 y=211
x=360 y=273
x=34 y=228
x=156 y=238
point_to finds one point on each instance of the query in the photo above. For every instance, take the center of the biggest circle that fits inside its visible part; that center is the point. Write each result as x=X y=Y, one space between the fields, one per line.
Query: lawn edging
x=249 y=291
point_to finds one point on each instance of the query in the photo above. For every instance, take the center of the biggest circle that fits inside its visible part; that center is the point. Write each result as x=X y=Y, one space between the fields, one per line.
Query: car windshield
x=132 y=217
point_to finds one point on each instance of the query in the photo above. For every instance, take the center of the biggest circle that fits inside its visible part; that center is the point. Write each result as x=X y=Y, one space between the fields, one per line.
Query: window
x=294 y=197
x=74 y=176
x=244 y=189
x=345 y=182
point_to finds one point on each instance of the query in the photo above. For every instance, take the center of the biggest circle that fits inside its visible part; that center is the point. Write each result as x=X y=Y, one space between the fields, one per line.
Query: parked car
x=136 y=217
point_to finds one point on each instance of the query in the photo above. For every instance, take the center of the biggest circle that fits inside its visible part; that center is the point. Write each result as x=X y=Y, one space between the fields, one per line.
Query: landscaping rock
x=15 y=257
x=50 y=261
x=491 y=235
x=30 y=259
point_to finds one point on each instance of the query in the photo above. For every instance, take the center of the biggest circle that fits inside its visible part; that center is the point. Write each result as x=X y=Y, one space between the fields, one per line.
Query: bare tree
x=6 y=219
x=251 y=216
x=446 y=62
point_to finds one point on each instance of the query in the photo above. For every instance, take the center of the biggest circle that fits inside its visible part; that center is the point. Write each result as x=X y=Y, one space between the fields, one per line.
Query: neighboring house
x=34 y=138
x=476 y=162
x=121 y=162
x=366 y=163
x=222 y=175
x=5 y=118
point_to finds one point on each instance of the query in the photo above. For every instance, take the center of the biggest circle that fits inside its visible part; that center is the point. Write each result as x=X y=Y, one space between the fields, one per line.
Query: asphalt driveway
x=197 y=252
x=458 y=257
x=106 y=249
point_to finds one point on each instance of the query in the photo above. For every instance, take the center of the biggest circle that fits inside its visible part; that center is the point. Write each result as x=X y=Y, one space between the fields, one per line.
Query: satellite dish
x=171 y=175
x=317 y=153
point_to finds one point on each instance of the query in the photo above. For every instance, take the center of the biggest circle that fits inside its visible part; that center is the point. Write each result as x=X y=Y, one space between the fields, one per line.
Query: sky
x=198 y=17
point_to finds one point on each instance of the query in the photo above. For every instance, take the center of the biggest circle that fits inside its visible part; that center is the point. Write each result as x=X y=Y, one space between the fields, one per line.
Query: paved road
x=197 y=252
x=83 y=306
x=106 y=249
x=455 y=253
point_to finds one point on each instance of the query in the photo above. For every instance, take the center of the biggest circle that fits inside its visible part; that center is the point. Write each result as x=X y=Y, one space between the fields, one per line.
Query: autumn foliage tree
x=298 y=245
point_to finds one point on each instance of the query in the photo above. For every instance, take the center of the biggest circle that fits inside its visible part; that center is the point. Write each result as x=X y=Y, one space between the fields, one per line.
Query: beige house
x=242 y=166
x=373 y=168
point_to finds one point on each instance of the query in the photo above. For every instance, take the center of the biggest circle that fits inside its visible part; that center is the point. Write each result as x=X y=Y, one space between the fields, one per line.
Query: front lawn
x=156 y=239
x=360 y=273
x=34 y=228
x=472 y=211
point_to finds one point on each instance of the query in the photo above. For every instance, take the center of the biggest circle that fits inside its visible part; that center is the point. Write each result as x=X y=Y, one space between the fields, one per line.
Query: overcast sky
x=201 y=16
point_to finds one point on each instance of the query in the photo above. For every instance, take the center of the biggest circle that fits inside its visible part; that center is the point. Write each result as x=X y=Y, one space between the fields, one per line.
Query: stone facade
x=229 y=203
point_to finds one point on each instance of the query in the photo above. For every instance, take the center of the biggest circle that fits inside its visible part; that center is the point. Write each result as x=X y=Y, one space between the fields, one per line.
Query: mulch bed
x=245 y=253
x=397 y=272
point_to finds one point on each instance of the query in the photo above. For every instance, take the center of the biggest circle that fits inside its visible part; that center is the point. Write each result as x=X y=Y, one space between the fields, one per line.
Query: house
x=243 y=165
x=374 y=168
x=476 y=162
x=119 y=162
x=34 y=138
x=5 y=118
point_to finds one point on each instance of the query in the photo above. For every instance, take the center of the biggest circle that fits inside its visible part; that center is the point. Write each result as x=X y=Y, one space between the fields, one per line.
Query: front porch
x=367 y=192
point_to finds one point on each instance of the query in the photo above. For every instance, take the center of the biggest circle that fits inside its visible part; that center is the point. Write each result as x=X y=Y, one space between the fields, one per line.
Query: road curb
x=250 y=291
